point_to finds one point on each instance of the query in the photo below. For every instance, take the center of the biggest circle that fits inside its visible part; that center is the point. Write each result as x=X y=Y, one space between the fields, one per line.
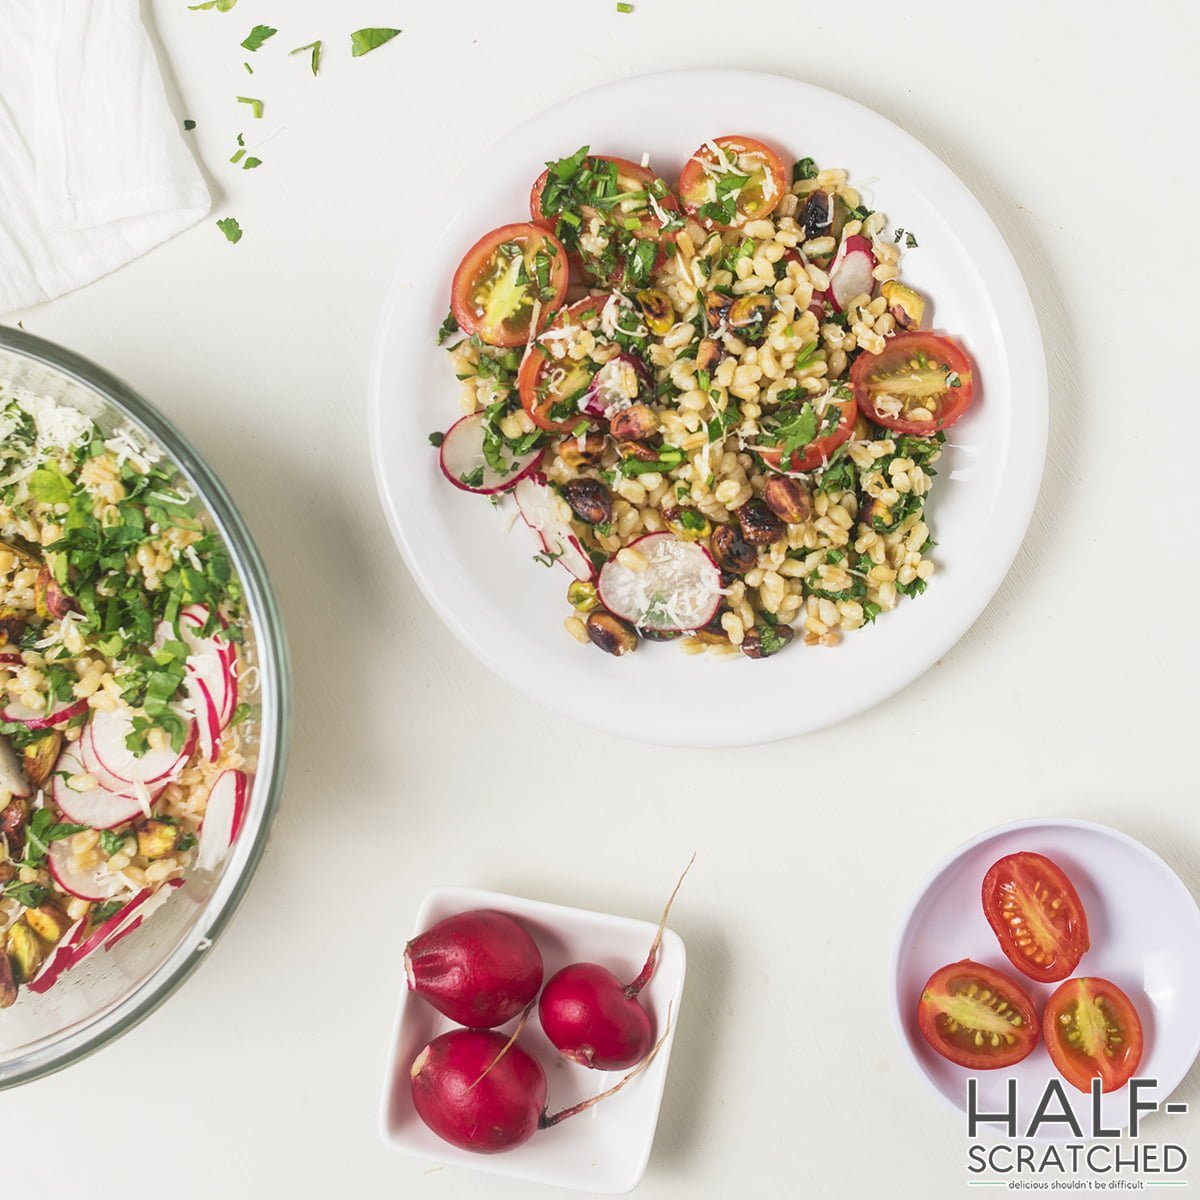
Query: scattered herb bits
x=363 y=41
x=315 y=48
x=256 y=105
x=255 y=38
x=230 y=228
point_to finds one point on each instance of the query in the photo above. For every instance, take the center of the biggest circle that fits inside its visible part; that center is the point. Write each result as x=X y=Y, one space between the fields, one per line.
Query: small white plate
x=604 y=1149
x=1145 y=934
x=478 y=575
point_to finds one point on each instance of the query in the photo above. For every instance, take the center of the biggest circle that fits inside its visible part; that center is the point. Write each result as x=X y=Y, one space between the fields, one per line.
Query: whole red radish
x=478 y=968
x=480 y=1092
x=596 y=1020
x=477 y=1091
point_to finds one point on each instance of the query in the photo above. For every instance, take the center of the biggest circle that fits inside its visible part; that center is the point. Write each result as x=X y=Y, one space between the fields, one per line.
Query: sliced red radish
x=213 y=658
x=10 y=656
x=549 y=516
x=224 y=815
x=59 y=961
x=850 y=274
x=134 y=919
x=463 y=462
x=12 y=778
x=208 y=714
x=60 y=713
x=109 y=733
x=680 y=587
x=100 y=807
x=94 y=883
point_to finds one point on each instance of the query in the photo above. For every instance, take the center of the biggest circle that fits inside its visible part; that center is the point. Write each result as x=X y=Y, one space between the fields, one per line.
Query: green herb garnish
x=230 y=228
x=315 y=47
x=363 y=41
x=256 y=37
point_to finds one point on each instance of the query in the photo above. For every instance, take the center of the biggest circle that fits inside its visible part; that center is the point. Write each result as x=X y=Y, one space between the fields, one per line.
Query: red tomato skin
x=478 y=255
x=692 y=172
x=531 y=366
x=947 y=350
x=1112 y=1076
x=1024 y=868
x=997 y=981
x=815 y=453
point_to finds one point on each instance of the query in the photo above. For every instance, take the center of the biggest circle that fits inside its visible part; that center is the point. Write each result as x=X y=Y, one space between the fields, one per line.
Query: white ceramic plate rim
x=904 y=658
x=1166 y=1085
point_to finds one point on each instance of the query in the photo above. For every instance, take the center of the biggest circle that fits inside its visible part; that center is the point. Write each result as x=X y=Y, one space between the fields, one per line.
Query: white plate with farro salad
x=762 y=384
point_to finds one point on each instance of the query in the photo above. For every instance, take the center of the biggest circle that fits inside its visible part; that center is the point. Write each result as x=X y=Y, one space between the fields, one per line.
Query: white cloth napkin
x=93 y=166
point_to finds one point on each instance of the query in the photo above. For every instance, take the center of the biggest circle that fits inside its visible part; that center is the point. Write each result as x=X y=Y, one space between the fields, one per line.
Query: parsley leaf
x=363 y=41
x=102 y=912
x=189 y=125
x=230 y=228
x=219 y=5
x=447 y=327
x=251 y=163
x=315 y=47
x=258 y=35
x=804 y=169
x=436 y=438
x=41 y=831
x=28 y=894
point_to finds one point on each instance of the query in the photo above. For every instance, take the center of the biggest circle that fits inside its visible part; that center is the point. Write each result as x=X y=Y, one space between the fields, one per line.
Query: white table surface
x=1075 y=694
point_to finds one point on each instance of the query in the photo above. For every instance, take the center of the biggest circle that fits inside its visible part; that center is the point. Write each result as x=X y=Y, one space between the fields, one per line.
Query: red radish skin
x=594 y=1019
x=478 y=968
x=587 y=1012
x=478 y=1092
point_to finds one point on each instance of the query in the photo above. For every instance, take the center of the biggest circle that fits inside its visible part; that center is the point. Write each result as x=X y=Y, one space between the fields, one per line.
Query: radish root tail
x=516 y=1033
x=647 y=972
x=548 y=1122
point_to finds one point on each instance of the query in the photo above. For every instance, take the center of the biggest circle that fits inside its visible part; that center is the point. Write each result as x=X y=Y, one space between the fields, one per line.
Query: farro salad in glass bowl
x=472 y=560
x=713 y=403
x=140 y=718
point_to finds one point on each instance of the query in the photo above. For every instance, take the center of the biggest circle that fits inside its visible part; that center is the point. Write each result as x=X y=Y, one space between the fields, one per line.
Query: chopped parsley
x=28 y=894
x=219 y=5
x=315 y=47
x=102 y=912
x=548 y=558
x=804 y=169
x=188 y=125
x=256 y=37
x=111 y=843
x=256 y=105
x=436 y=438
x=473 y=479
x=363 y=41
x=230 y=228
x=40 y=832
x=251 y=163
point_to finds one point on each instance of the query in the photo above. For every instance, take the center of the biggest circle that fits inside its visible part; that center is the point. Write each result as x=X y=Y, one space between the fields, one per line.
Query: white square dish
x=605 y=1149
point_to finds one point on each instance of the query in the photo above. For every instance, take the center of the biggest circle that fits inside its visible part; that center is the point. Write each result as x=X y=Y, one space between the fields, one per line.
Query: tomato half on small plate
x=977 y=1016
x=817 y=452
x=920 y=383
x=1036 y=914
x=731 y=180
x=504 y=279
x=1092 y=1032
x=550 y=388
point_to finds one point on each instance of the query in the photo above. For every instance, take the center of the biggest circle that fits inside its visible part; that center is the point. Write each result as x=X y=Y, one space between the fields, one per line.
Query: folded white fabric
x=93 y=167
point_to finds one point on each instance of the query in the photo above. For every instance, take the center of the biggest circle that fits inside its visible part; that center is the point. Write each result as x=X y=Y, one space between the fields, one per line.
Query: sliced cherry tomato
x=1092 y=1032
x=550 y=388
x=1035 y=912
x=919 y=383
x=731 y=180
x=504 y=278
x=632 y=203
x=819 y=451
x=977 y=1017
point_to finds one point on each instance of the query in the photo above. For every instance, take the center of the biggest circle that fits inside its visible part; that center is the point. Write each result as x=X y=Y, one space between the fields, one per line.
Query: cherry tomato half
x=919 y=383
x=550 y=387
x=1037 y=916
x=977 y=1017
x=731 y=180
x=819 y=451
x=501 y=279
x=1092 y=1032
x=633 y=205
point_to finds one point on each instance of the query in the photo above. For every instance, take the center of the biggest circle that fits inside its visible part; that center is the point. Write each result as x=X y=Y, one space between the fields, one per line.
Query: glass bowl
x=109 y=992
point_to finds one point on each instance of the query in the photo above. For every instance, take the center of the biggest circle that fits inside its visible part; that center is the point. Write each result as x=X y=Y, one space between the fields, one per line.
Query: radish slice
x=224 y=815
x=133 y=917
x=12 y=778
x=100 y=807
x=461 y=458
x=679 y=589
x=108 y=732
x=549 y=516
x=91 y=884
x=208 y=713
x=213 y=658
x=10 y=656
x=59 y=961
x=850 y=275
x=60 y=714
